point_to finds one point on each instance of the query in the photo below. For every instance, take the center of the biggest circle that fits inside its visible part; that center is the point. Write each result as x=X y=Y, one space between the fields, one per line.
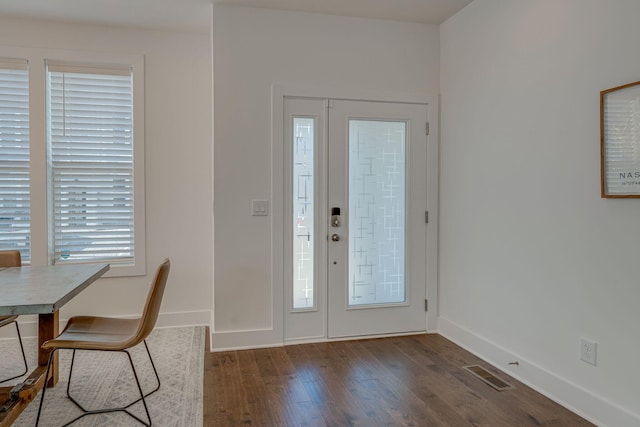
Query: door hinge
x=427 y=129
x=426 y=305
x=426 y=217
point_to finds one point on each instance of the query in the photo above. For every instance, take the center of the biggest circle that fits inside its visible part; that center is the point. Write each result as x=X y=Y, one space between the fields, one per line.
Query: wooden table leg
x=48 y=328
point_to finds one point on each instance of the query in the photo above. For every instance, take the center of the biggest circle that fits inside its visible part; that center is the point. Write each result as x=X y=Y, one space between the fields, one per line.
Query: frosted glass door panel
x=303 y=207
x=377 y=195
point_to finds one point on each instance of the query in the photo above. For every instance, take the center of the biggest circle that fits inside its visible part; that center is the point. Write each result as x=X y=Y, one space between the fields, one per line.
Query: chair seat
x=5 y=320
x=96 y=333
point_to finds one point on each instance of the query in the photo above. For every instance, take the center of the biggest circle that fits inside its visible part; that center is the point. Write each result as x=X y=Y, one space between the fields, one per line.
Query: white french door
x=355 y=240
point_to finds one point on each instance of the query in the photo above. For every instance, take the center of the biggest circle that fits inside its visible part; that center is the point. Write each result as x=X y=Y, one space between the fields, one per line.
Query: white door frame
x=278 y=94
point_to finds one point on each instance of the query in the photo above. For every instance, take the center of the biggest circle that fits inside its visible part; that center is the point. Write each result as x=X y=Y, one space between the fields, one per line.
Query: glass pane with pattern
x=377 y=169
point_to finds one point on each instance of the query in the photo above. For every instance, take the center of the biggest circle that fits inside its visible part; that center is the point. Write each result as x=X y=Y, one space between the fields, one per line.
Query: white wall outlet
x=588 y=351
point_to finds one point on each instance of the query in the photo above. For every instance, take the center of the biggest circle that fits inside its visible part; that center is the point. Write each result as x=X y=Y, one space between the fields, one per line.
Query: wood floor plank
x=265 y=362
x=418 y=405
x=333 y=385
x=397 y=381
x=444 y=376
x=429 y=381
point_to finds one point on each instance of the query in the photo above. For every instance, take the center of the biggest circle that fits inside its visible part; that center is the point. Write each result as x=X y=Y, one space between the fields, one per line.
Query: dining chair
x=111 y=334
x=12 y=259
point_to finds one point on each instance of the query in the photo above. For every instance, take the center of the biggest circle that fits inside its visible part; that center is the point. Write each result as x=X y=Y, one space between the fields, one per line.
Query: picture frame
x=620 y=141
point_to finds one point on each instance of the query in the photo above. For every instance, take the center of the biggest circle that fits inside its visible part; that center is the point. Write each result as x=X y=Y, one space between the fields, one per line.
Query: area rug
x=105 y=379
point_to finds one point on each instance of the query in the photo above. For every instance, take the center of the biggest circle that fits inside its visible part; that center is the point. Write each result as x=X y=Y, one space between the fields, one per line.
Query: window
x=14 y=156
x=81 y=162
x=90 y=124
x=303 y=208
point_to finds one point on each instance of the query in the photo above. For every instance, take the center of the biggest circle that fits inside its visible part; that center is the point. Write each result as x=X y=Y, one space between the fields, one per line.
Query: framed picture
x=620 y=141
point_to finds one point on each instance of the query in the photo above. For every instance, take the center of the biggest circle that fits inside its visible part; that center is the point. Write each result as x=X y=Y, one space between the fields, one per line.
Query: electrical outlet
x=588 y=351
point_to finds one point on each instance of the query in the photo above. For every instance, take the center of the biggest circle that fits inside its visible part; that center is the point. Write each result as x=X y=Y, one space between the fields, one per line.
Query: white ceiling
x=195 y=15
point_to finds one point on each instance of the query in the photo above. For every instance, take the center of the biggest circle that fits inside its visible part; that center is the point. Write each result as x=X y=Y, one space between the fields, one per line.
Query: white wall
x=178 y=111
x=254 y=49
x=532 y=259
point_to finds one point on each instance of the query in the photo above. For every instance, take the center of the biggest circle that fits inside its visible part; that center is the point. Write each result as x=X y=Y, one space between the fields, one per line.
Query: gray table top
x=42 y=290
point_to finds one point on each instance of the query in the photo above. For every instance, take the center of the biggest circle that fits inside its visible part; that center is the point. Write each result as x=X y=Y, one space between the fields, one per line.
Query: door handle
x=335 y=238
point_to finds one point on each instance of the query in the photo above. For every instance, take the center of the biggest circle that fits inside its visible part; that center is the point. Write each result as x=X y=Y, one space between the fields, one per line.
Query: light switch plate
x=259 y=207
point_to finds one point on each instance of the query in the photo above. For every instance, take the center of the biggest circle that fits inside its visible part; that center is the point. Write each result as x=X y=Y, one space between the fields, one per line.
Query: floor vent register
x=487 y=377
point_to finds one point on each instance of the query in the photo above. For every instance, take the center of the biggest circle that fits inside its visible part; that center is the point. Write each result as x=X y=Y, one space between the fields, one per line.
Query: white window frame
x=40 y=247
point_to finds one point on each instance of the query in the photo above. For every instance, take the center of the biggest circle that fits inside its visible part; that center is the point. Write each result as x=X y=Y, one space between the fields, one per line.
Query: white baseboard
x=243 y=340
x=184 y=318
x=29 y=324
x=588 y=405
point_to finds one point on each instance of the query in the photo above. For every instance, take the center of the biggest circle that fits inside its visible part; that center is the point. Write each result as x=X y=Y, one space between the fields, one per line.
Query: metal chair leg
x=44 y=387
x=153 y=365
x=24 y=358
x=108 y=410
x=73 y=358
x=144 y=402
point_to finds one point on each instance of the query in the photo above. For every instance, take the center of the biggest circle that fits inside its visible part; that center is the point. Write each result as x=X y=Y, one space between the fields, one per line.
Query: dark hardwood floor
x=402 y=381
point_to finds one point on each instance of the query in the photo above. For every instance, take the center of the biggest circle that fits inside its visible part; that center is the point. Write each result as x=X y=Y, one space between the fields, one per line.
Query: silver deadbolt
x=335 y=237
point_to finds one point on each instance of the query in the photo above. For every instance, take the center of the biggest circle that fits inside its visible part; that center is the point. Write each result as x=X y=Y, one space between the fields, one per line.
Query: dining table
x=39 y=290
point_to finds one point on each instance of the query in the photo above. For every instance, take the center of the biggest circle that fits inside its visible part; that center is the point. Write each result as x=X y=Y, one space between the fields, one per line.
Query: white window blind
x=91 y=155
x=15 y=216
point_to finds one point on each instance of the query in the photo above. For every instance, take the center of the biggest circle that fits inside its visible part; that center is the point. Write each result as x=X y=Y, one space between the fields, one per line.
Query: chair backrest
x=10 y=259
x=154 y=300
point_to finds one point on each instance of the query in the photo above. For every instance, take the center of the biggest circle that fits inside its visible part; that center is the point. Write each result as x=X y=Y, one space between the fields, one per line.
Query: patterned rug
x=103 y=379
